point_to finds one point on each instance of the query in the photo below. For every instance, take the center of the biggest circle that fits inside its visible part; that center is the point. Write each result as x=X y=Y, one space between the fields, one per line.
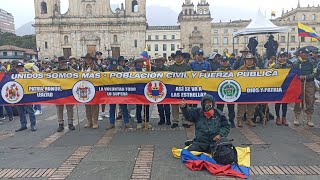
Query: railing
x=11 y=57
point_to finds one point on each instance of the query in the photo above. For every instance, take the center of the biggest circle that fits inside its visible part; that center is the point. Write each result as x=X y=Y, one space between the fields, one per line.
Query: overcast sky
x=23 y=10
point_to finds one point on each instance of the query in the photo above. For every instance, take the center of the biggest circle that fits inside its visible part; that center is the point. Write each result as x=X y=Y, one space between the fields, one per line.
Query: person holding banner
x=178 y=66
x=115 y=67
x=92 y=111
x=248 y=109
x=226 y=66
x=282 y=64
x=18 y=67
x=305 y=64
x=163 y=109
x=64 y=67
x=139 y=67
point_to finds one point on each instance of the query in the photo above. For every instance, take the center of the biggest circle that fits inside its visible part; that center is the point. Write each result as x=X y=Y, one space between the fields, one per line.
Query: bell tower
x=135 y=8
x=46 y=8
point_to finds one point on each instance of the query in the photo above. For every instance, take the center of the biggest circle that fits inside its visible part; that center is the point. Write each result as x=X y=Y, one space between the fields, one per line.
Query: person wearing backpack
x=210 y=124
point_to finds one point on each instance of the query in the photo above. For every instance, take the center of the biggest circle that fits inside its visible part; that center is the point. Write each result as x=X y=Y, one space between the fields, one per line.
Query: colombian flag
x=196 y=161
x=144 y=55
x=306 y=31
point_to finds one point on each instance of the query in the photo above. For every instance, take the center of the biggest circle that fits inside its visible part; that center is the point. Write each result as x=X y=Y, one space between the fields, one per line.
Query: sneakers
x=21 y=129
x=11 y=118
x=161 y=123
x=149 y=126
x=106 y=114
x=3 y=118
x=60 y=128
x=168 y=123
x=310 y=124
x=174 y=125
x=111 y=126
x=71 y=127
x=37 y=113
x=127 y=126
x=100 y=118
x=139 y=126
x=33 y=128
x=296 y=123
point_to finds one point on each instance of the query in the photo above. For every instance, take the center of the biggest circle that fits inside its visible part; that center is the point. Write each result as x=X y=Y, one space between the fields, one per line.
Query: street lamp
x=37 y=50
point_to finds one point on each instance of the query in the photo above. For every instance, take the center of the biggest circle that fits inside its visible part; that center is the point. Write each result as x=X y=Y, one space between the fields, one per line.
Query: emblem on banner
x=83 y=91
x=229 y=90
x=12 y=92
x=155 y=91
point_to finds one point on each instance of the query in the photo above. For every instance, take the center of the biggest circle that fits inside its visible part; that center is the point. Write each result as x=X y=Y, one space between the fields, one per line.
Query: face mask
x=209 y=114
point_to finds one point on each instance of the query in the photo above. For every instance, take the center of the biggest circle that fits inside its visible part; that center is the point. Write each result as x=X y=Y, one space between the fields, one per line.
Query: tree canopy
x=28 y=41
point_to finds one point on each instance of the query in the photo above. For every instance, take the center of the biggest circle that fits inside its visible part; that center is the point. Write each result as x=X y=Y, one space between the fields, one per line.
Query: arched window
x=190 y=11
x=314 y=17
x=303 y=17
x=89 y=9
x=186 y=11
x=66 y=40
x=44 y=8
x=135 y=6
x=115 y=39
x=294 y=18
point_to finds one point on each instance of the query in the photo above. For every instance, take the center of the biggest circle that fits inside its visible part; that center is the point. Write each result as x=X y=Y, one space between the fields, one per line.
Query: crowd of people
x=307 y=61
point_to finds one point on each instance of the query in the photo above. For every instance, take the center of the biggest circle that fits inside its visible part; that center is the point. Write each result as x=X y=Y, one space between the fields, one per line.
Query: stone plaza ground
x=277 y=152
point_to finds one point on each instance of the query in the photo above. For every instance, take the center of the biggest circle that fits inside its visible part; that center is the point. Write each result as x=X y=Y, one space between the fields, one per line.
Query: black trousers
x=139 y=114
x=164 y=112
x=284 y=109
x=200 y=147
x=231 y=112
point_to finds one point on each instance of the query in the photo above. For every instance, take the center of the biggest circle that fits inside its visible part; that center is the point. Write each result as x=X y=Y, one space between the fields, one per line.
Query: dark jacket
x=162 y=68
x=207 y=129
x=285 y=65
x=225 y=68
x=215 y=65
x=179 y=67
x=306 y=67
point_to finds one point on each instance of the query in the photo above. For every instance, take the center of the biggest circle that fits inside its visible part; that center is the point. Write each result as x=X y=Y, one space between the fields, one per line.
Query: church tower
x=195 y=27
x=47 y=8
x=135 y=8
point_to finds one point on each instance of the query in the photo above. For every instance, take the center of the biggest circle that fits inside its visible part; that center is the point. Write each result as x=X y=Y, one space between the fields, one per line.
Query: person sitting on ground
x=210 y=124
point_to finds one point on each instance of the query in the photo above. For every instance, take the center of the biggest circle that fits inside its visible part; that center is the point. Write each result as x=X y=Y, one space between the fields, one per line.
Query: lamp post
x=37 y=50
x=108 y=52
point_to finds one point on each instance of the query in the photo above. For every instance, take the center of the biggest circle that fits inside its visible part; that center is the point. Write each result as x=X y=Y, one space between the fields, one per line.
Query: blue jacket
x=204 y=65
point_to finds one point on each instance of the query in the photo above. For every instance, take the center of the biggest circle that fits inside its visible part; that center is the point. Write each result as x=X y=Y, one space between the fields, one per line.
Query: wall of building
x=6 y=22
x=172 y=44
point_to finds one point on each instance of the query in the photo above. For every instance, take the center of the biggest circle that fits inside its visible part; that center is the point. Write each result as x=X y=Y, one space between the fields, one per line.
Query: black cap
x=98 y=53
x=304 y=50
x=200 y=52
x=178 y=53
x=232 y=54
x=224 y=58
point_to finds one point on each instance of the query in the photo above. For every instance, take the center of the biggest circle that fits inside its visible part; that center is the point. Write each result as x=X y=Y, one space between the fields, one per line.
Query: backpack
x=223 y=152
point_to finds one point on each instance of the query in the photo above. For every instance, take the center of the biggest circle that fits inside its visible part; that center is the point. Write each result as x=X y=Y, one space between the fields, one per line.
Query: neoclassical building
x=91 y=25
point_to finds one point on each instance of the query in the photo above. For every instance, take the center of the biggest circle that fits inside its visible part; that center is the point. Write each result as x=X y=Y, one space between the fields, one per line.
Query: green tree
x=28 y=41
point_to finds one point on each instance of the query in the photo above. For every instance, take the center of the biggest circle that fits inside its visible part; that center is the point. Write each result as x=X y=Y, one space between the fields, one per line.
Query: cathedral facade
x=91 y=25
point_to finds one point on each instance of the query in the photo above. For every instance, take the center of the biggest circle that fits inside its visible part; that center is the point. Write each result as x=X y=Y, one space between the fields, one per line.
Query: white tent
x=261 y=25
